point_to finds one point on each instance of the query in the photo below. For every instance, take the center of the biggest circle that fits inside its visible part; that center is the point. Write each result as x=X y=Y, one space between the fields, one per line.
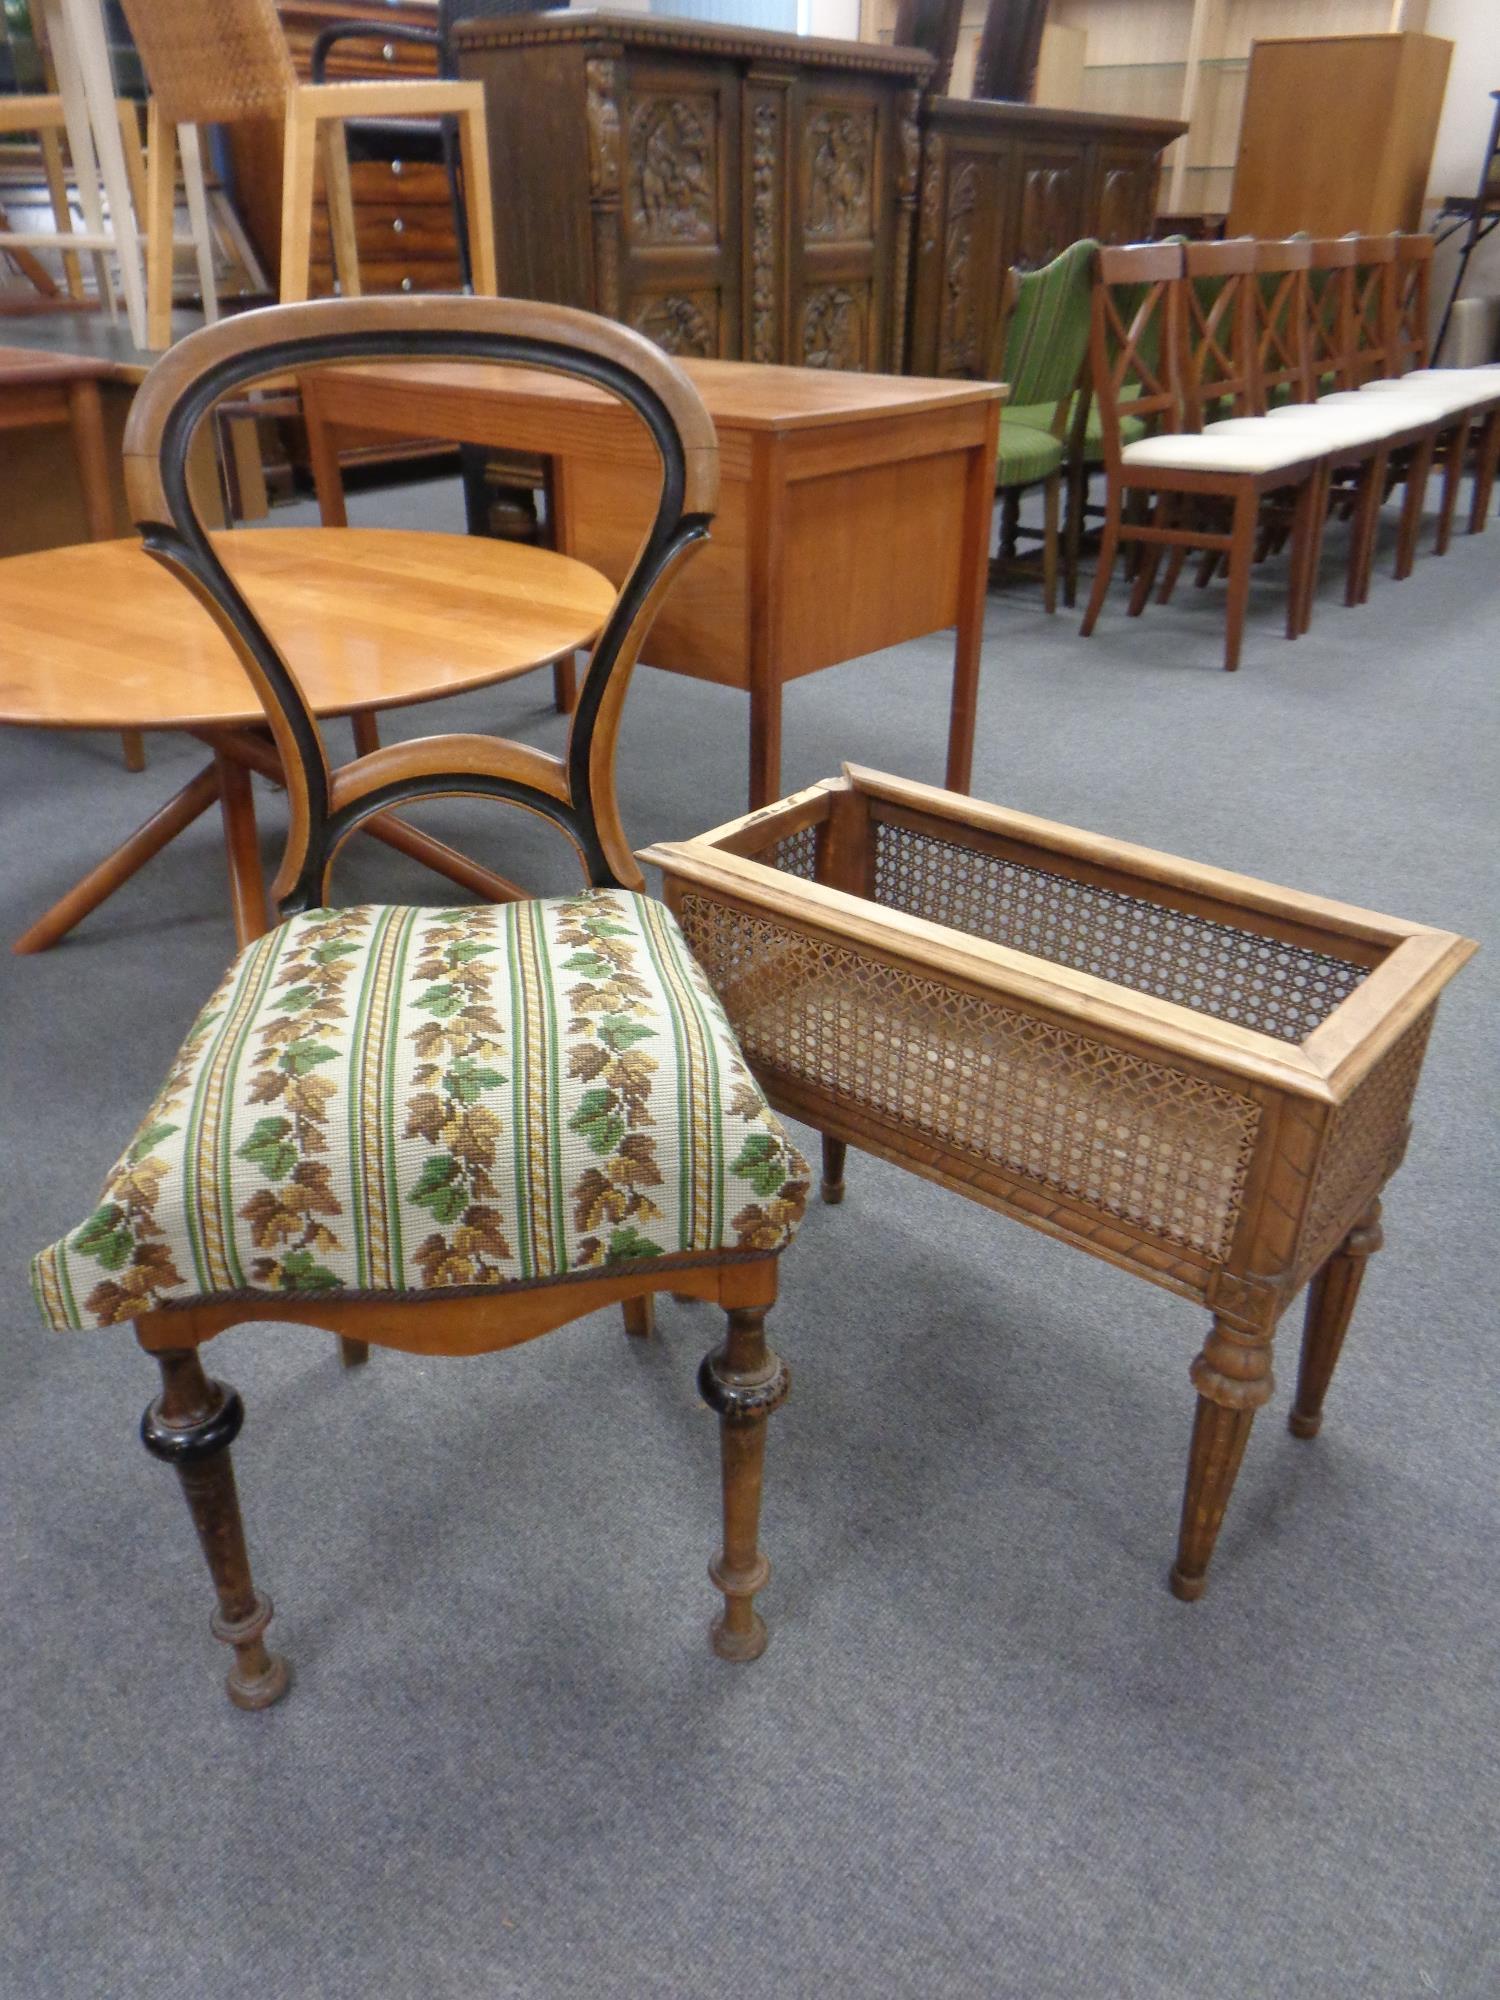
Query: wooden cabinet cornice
x=730 y=193
x=1006 y=184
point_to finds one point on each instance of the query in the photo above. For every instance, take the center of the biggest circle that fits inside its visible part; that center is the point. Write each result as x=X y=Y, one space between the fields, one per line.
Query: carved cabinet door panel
x=964 y=246
x=841 y=199
x=679 y=226
x=1126 y=200
x=1051 y=189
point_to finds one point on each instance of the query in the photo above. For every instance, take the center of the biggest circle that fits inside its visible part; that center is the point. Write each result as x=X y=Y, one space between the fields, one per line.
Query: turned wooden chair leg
x=640 y=1317
x=1051 y=494
x=1233 y=1379
x=191 y=1426
x=1073 y=519
x=1330 y=1305
x=835 y=1151
x=743 y=1382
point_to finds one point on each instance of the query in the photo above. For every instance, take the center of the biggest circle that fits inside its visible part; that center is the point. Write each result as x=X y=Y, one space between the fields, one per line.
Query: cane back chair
x=445 y=1130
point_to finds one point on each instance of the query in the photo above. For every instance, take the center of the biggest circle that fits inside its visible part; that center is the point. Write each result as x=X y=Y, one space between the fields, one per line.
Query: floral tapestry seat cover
x=392 y=1100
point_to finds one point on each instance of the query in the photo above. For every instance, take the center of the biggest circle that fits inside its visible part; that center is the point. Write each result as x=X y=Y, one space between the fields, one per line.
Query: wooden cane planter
x=1202 y=1078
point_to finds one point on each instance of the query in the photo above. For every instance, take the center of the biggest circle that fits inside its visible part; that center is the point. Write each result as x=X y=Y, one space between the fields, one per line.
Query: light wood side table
x=854 y=510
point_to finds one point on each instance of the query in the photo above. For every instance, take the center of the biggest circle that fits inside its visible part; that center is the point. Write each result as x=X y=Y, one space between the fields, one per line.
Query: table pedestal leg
x=247 y=886
x=101 y=882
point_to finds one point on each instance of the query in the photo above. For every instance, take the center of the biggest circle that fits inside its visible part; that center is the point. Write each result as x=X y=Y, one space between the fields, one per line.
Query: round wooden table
x=101 y=637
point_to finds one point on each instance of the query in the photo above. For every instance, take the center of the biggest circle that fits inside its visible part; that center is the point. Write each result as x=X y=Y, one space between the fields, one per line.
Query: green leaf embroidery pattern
x=330 y=954
x=761 y=1164
x=152 y=1136
x=267 y=1148
x=597 y=1120
x=466 y=950
x=105 y=1238
x=444 y=1001
x=300 y=1274
x=440 y=1188
x=618 y=1032
x=301 y=1056
x=589 y=964
x=297 y=999
x=468 y=1078
x=629 y=1242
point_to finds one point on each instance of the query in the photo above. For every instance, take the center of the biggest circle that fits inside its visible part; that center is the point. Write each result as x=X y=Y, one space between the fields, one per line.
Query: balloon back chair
x=440 y=1130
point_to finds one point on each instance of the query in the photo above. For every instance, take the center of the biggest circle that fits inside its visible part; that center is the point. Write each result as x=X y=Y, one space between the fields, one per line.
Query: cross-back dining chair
x=220 y=61
x=1136 y=344
x=441 y=1130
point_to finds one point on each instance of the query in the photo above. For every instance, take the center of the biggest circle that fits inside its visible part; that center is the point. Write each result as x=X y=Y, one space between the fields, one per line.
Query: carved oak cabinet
x=731 y=193
x=1006 y=184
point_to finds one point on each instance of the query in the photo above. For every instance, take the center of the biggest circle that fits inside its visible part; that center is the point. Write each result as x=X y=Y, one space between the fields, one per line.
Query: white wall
x=1473 y=27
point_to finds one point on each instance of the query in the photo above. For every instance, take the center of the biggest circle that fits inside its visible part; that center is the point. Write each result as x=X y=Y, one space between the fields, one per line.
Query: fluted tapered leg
x=743 y=1382
x=1330 y=1305
x=191 y=1426
x=1233 y=1379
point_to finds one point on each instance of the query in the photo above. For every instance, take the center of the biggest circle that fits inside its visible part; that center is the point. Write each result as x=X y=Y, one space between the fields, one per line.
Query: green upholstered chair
x=442 y=1130
x=1041 y=347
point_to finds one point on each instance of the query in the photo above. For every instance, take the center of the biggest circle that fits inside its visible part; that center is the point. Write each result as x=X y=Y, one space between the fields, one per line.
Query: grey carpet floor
x=987 y=1753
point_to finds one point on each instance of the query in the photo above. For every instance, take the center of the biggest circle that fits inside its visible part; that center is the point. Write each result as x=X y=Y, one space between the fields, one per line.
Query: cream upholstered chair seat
x=1256 y=449
x=391 y=1100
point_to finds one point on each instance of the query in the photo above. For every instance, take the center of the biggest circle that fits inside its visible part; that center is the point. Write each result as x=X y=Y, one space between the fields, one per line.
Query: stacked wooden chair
x=1278 y=371
x=446 y=1130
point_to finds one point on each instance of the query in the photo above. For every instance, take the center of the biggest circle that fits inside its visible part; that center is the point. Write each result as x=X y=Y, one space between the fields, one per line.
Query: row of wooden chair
x=1230 y=375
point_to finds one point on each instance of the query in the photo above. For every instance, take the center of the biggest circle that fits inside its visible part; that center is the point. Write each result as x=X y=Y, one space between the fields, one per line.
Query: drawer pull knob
x=406 y=284
x=398 y=226
x=389 y=52
x=396 y=166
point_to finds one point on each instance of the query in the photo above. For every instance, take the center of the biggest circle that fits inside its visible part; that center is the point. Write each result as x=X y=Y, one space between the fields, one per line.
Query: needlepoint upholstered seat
x=443 y=1130
x=387 y=1100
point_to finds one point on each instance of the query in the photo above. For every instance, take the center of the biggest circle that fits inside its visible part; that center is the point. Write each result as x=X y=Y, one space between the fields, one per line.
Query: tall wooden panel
x=1338 y=134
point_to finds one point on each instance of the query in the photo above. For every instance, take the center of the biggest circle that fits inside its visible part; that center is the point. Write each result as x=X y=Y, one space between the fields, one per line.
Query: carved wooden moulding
x=1198 y=1077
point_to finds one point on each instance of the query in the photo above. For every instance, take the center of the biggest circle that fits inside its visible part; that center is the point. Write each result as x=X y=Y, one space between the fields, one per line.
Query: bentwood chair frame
x=1146 y=350
x=194 y=1421
x=219 y=61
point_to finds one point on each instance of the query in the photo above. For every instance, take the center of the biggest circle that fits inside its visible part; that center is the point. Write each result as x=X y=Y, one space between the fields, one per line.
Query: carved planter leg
x=1330 y=1304
x=1233 y=1378
x=834 y=1153
x=743 y=1381
x=191 y=1426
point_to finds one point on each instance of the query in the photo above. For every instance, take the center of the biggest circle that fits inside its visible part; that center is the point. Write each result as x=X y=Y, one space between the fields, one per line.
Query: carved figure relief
x=833 y=326
x=839 y=151
x=960 y=340
x=1049 y=212
x=910 y=132
x=673 y=179
x=932 y=195
x=679 y=323
x=604 y=129
x=1126 y=202
x=764 y=133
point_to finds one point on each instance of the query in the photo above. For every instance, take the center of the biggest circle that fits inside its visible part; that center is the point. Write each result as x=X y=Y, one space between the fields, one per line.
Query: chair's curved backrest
x=212 y=61
x=576 y=792
x=1046 y=338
